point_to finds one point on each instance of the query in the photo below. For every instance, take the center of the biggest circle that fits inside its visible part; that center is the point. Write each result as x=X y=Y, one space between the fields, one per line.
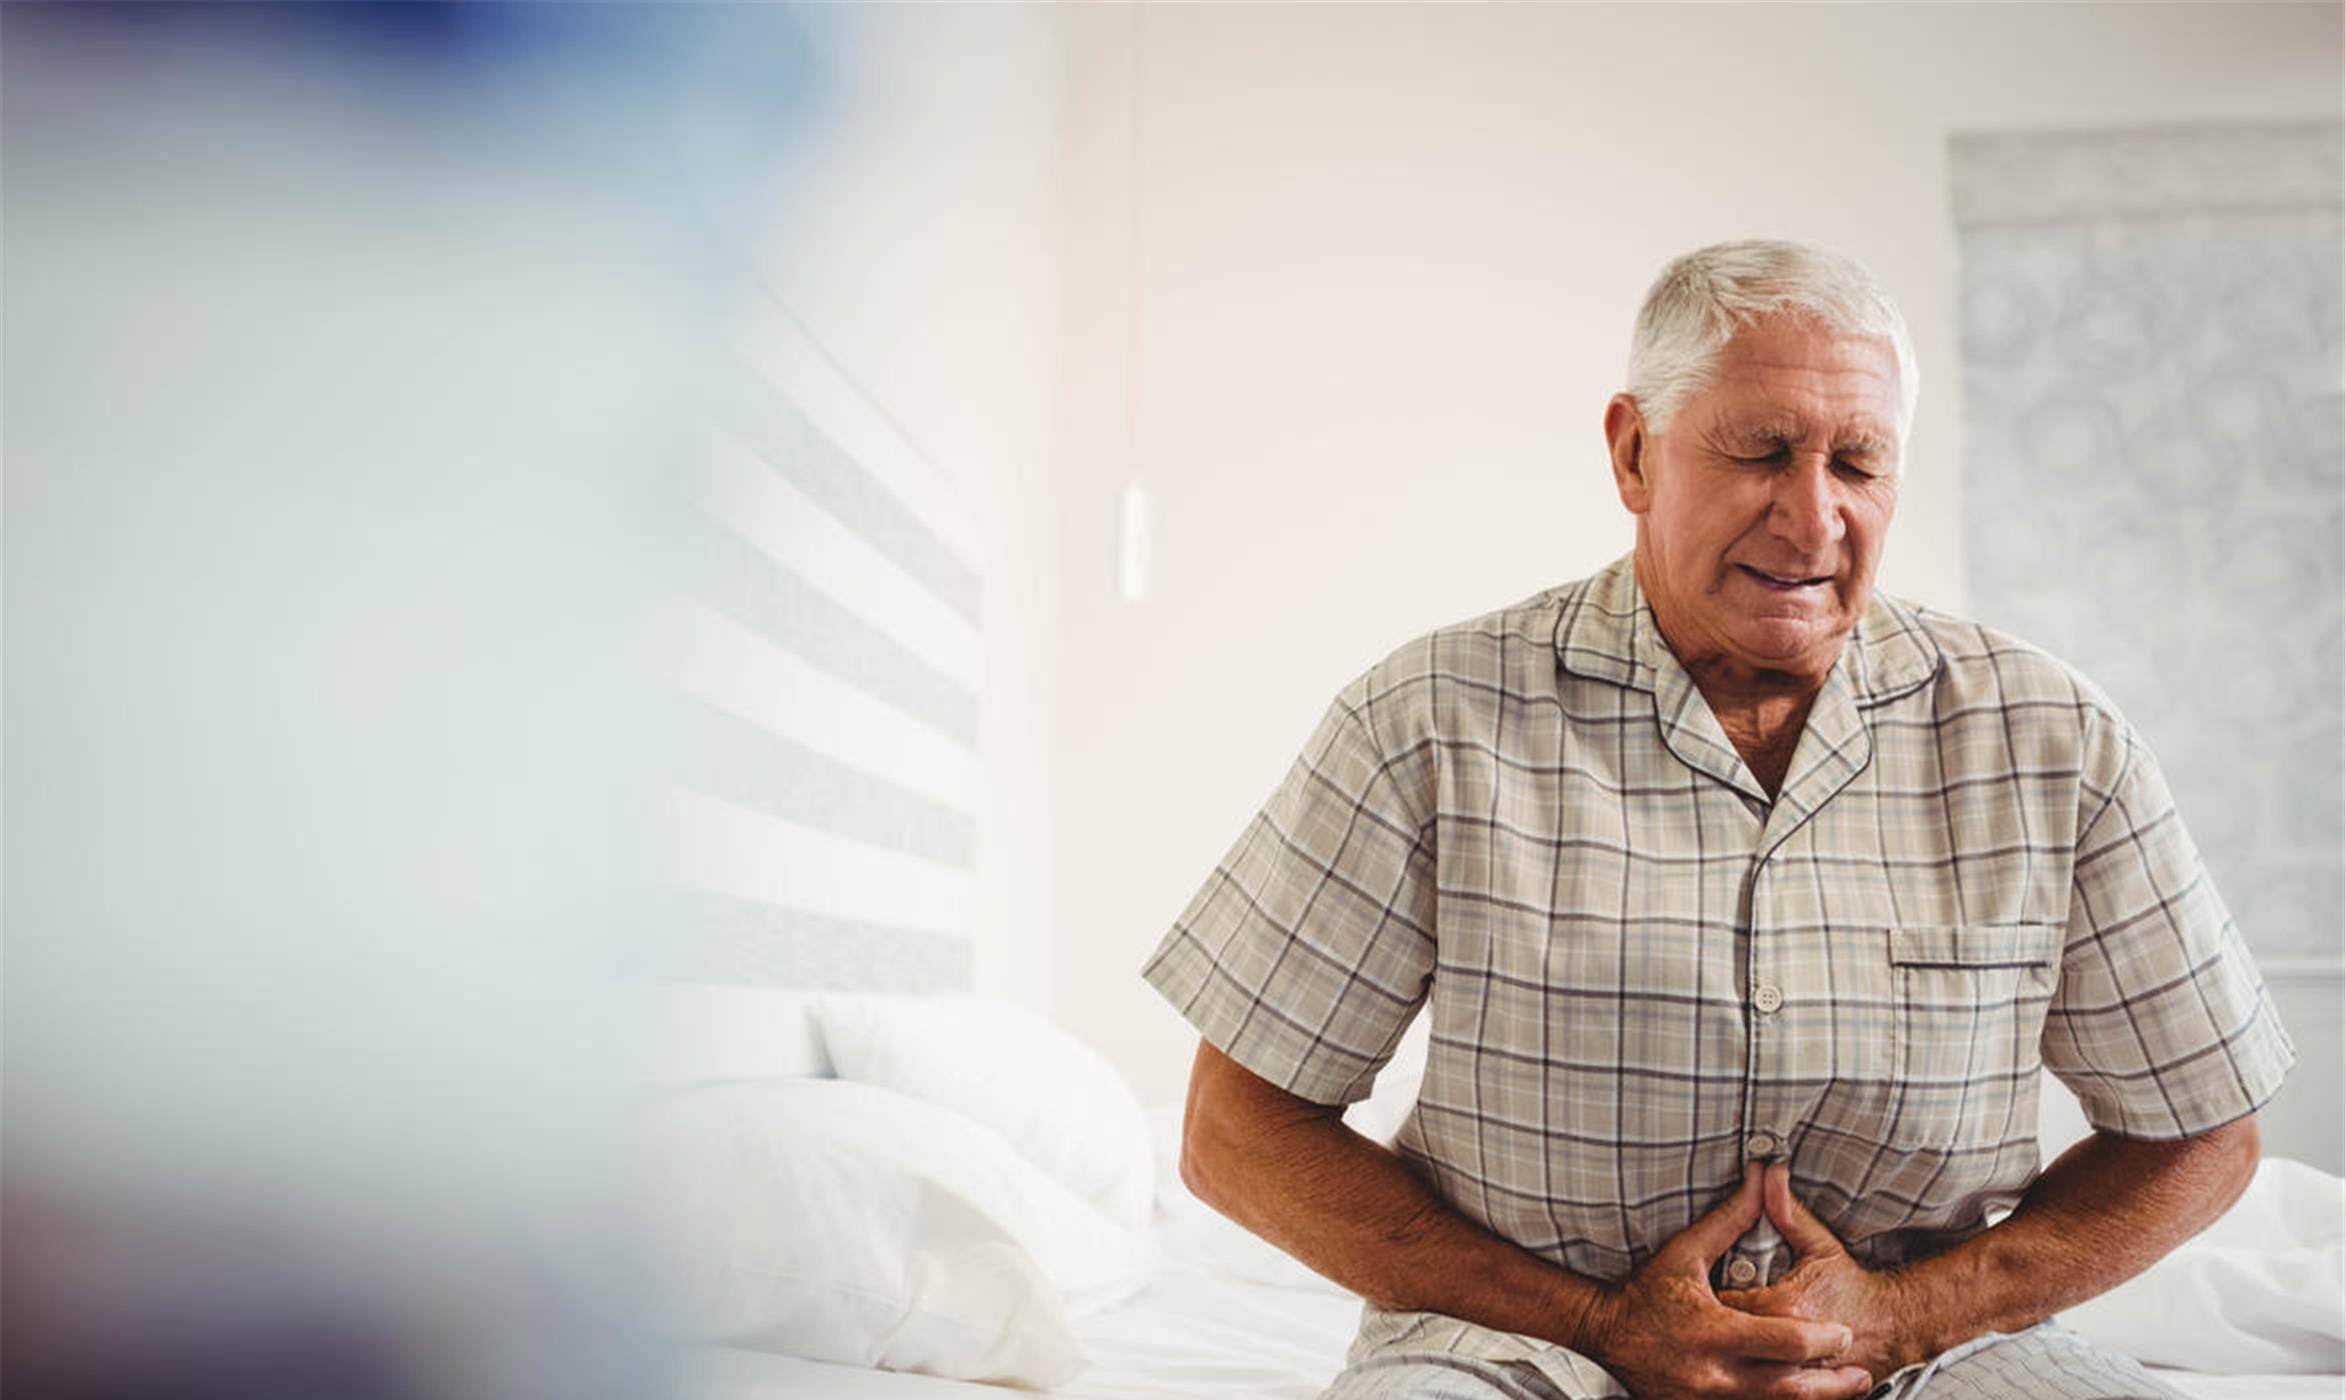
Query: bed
x=1164 y=1298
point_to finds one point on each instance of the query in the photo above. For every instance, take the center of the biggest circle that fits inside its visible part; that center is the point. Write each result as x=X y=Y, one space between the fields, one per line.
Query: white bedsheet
x=1189 y=1334
x=1195 y=1336
x=1228 y=1316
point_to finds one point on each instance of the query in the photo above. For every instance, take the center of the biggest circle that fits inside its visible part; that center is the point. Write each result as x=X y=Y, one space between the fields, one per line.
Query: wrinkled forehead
x=1793 y=382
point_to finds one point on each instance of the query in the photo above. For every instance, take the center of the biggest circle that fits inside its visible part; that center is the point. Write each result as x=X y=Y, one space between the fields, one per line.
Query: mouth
x=1783 y=583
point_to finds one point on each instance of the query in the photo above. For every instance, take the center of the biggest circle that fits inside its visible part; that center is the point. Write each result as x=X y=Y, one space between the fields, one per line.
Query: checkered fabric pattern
x=1643 y=972
x=2046 y=1362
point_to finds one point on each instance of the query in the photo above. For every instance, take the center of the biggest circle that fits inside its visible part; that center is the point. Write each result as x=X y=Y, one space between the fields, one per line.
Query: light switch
x=1134 y=539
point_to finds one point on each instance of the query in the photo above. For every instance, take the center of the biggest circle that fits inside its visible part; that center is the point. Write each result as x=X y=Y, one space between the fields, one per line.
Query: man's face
x=1763 y=503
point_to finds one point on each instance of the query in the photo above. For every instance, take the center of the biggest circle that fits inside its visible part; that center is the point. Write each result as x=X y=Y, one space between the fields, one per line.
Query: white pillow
x=1056 y=1100
x=845 y=1223
x=2258 y=1292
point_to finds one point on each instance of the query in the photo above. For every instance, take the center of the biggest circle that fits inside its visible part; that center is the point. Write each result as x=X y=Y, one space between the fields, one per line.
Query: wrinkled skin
x=1826 y=1283
x=1665 y=1335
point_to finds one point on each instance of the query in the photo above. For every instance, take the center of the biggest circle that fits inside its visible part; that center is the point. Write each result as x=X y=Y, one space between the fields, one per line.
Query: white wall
x=1385 y=261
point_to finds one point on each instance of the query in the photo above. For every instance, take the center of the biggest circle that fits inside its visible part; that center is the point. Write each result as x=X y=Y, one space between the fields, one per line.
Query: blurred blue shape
x=350 y=352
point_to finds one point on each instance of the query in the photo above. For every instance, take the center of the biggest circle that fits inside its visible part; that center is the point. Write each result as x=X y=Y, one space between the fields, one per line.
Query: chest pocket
x=1968 y=1006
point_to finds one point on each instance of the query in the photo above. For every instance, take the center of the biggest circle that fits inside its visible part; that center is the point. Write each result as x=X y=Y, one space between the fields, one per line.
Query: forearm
x=1355 y=1212
x=2104 y=1211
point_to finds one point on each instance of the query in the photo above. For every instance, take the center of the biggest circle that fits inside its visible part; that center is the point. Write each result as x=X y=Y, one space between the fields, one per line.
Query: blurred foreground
x=345 y=349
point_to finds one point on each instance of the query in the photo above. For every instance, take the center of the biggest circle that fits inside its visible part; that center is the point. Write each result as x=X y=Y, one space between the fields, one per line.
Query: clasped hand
x=1828 y=1329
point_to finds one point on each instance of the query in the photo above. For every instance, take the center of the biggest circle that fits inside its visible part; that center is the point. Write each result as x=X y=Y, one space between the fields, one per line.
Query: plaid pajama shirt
x=1642 y=972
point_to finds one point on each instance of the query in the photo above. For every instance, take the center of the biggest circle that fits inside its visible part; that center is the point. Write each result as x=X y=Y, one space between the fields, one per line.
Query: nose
x=1806 y=510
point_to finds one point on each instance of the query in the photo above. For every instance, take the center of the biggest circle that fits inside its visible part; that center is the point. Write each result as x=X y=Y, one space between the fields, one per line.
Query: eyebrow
x=1775 y=433
x=1770 y=434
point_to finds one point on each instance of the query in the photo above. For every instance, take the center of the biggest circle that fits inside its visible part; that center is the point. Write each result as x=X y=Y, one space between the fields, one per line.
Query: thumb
x=1717 y=1231
x=1802 y=1230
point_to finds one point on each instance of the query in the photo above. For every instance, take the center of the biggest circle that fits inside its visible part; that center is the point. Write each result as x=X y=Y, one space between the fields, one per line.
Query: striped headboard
x=829 y=653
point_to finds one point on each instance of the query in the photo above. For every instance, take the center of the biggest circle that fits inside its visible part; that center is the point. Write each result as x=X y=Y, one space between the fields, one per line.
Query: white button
x=1760 y=1144
x=1741 y=1272
x=1768 y=997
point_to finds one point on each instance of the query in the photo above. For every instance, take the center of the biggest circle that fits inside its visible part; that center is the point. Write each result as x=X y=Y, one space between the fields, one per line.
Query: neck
x=1762 y=710
x=1766 y=733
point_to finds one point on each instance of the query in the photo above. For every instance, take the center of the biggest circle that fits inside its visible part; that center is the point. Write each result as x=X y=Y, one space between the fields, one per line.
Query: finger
x=1795 y=1341
x=1807 y=1382
x=1718 y=1230
x=1806 y=1234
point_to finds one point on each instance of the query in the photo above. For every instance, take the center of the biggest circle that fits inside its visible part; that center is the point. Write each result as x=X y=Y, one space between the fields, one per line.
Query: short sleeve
x=1310 y=947
x=2160 y=1023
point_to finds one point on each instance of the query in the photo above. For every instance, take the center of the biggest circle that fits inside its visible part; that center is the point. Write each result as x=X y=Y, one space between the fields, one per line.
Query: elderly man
x=1746 y=904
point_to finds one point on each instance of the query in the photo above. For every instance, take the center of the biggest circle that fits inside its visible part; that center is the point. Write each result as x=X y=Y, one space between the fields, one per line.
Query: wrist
x=1920 y=1327
x=1590 y=1320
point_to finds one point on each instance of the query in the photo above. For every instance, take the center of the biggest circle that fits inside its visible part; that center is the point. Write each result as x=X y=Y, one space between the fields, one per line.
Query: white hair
x=1703 y=298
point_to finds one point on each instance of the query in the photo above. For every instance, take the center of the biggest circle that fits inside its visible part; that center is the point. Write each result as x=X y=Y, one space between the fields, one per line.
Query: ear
x=1625 y=431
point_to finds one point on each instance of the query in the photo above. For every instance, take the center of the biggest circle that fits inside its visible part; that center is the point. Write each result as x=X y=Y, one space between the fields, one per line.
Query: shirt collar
x=1607 y=632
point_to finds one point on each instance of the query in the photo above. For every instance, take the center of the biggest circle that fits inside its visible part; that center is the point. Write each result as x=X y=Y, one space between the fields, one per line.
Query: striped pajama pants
x=2046 y=1362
